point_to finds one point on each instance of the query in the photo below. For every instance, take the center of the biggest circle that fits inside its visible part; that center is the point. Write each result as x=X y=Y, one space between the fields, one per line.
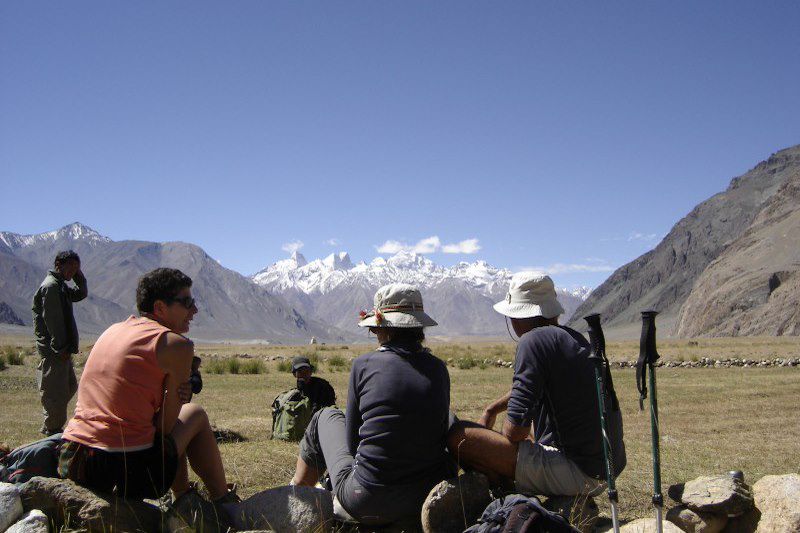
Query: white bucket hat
x=530 y=294
x=397 y=305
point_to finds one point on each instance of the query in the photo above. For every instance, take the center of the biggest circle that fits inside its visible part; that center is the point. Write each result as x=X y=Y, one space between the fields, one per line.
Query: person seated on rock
x=554 y=390
x=132 y=432
x=318 y=390
x=387 y=452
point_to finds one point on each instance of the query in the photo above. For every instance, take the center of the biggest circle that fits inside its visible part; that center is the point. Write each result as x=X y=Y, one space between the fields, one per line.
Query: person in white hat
x=389 y=449
x=554 y=391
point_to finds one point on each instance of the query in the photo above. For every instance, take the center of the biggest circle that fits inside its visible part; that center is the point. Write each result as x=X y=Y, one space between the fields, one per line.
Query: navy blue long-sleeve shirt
x=555 y=389
x=398 y=404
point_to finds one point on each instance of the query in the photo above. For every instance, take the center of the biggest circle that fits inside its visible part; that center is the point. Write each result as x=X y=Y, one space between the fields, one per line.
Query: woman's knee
x=193 y=415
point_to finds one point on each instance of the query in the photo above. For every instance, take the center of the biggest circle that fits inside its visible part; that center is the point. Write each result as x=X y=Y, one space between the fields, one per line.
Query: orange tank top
x=121 y=389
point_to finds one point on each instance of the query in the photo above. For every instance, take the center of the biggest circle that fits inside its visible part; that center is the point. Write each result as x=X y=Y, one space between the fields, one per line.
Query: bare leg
x=484 y=450
x=181 y=483
x=305 y=474
x=194 y=438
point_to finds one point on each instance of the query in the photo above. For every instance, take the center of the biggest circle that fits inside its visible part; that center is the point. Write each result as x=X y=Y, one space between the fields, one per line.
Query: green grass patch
x=2 y=361
x=465 y=363
x=337 y=362
x=233 y=365
x=284 y=366
x=253 y=366
x=214 y=366
x=14 y=356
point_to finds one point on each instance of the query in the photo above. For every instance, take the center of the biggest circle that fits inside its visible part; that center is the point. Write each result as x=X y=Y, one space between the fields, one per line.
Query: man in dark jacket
x=57 y=338
x=550 y=442
x=318 y=390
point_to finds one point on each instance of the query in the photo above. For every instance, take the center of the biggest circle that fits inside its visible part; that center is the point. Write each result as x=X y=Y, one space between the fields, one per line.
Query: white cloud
x=293 y=246
x=469 y=246
x=571 y=268
x=333 y=242
x=429 y=245
x=638 y=236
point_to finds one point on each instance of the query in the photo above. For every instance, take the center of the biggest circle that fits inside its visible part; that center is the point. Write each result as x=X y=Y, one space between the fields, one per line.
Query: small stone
x=580 y=511
x=10 y=505
x=33 y=522
x=455 y=504
x=284 y=509
x=648 y=525
x=720 y=494
x=778 y=499
x=693 y=522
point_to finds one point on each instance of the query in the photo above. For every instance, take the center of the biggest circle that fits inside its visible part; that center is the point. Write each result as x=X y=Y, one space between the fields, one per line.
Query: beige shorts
x=544 y=470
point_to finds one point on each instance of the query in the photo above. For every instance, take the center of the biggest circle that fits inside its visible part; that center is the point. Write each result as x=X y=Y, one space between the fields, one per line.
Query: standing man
x=318 y=390
x=57 y=338
x=554 y=391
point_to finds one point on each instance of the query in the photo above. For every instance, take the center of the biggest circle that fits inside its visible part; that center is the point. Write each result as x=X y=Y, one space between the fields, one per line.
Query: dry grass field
x=712 y=420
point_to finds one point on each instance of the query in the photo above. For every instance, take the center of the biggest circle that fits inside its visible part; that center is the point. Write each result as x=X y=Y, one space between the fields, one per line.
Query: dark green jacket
x=53 y=321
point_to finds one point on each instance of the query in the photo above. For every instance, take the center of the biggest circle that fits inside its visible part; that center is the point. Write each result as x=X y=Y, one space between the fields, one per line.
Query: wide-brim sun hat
x=397 y=305
x=530 y=294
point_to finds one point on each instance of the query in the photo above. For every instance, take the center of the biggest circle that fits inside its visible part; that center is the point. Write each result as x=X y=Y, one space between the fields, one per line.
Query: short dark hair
x=411 y=337
x=64 y=256
x=160 y=284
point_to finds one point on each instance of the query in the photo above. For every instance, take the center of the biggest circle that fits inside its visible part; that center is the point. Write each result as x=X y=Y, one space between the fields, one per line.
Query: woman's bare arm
x=174 y=353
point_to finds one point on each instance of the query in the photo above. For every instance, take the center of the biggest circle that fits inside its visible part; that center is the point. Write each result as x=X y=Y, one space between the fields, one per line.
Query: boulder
x=694 y=522
x=745 y=523
x=192 y=513
x=778 y=500
x=580 y=511
x=10 y=505
x=66 y=503
x=284 y=509
x=648 y=525
x=455 y=504
x=722 y=494
x=32 y=522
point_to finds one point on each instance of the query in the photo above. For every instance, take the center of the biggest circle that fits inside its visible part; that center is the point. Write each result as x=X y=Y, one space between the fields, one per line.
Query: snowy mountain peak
x=338 y=261
x=298 y=259
x=75 y=231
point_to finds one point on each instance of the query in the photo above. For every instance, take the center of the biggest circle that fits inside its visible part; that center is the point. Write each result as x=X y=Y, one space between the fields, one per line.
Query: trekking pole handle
x=596 y=337
x=647 y=344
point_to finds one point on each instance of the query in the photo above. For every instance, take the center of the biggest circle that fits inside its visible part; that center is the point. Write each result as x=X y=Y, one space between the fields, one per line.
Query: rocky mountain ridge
x=718 y=271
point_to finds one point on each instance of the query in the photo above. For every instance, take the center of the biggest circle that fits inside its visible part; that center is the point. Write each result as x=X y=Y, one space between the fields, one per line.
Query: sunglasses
x=187 y=301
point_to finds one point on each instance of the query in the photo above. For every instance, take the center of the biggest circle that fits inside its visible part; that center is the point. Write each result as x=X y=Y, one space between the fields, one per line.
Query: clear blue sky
x=572 y=133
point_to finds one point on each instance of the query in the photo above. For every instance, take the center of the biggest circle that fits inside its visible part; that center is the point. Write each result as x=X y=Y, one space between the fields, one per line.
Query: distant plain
x=712 y=419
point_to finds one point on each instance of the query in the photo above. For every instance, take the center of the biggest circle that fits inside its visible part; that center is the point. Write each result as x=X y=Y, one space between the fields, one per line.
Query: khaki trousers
x=55 y=377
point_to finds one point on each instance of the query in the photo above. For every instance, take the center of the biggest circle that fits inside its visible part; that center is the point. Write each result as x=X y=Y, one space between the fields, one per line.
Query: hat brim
x=550 y=309
x=302 y=365
x=415 y=319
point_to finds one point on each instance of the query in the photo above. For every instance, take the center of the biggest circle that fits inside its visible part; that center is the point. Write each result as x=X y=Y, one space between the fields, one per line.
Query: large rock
x=66 y=503
x=286 y=509
x=455 y=504
x=580 y=511
x=723 y=494
x=648 y=525
x=10 y=505
x=778 y=499
x=33 y=522
x=694 y=522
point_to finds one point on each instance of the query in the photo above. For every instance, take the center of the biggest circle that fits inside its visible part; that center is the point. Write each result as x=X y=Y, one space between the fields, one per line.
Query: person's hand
x=488 y=419
x=185 y=392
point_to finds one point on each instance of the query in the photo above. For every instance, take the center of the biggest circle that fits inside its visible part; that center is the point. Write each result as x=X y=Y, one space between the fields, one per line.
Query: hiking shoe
x=192 y=512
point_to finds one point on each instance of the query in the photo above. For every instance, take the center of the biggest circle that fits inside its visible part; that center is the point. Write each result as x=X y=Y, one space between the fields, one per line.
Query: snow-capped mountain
x=460 y=297
x=72 y=231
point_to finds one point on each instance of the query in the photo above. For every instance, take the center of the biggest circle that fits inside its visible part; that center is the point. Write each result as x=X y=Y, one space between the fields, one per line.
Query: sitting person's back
x=121 y=388
x=397 y=434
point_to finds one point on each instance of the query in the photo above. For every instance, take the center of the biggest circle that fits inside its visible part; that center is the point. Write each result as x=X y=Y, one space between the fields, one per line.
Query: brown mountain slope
x=753 y=287
x=663 y=278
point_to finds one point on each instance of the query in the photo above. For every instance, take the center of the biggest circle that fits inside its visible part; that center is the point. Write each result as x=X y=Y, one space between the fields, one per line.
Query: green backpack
x=291 y=413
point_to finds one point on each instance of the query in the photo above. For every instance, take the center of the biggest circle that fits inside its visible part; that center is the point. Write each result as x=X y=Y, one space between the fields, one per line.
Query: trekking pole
x=598 y=357
x=647 y=360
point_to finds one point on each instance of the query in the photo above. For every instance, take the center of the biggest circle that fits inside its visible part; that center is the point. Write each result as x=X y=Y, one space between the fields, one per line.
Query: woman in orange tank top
x=132 y=432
